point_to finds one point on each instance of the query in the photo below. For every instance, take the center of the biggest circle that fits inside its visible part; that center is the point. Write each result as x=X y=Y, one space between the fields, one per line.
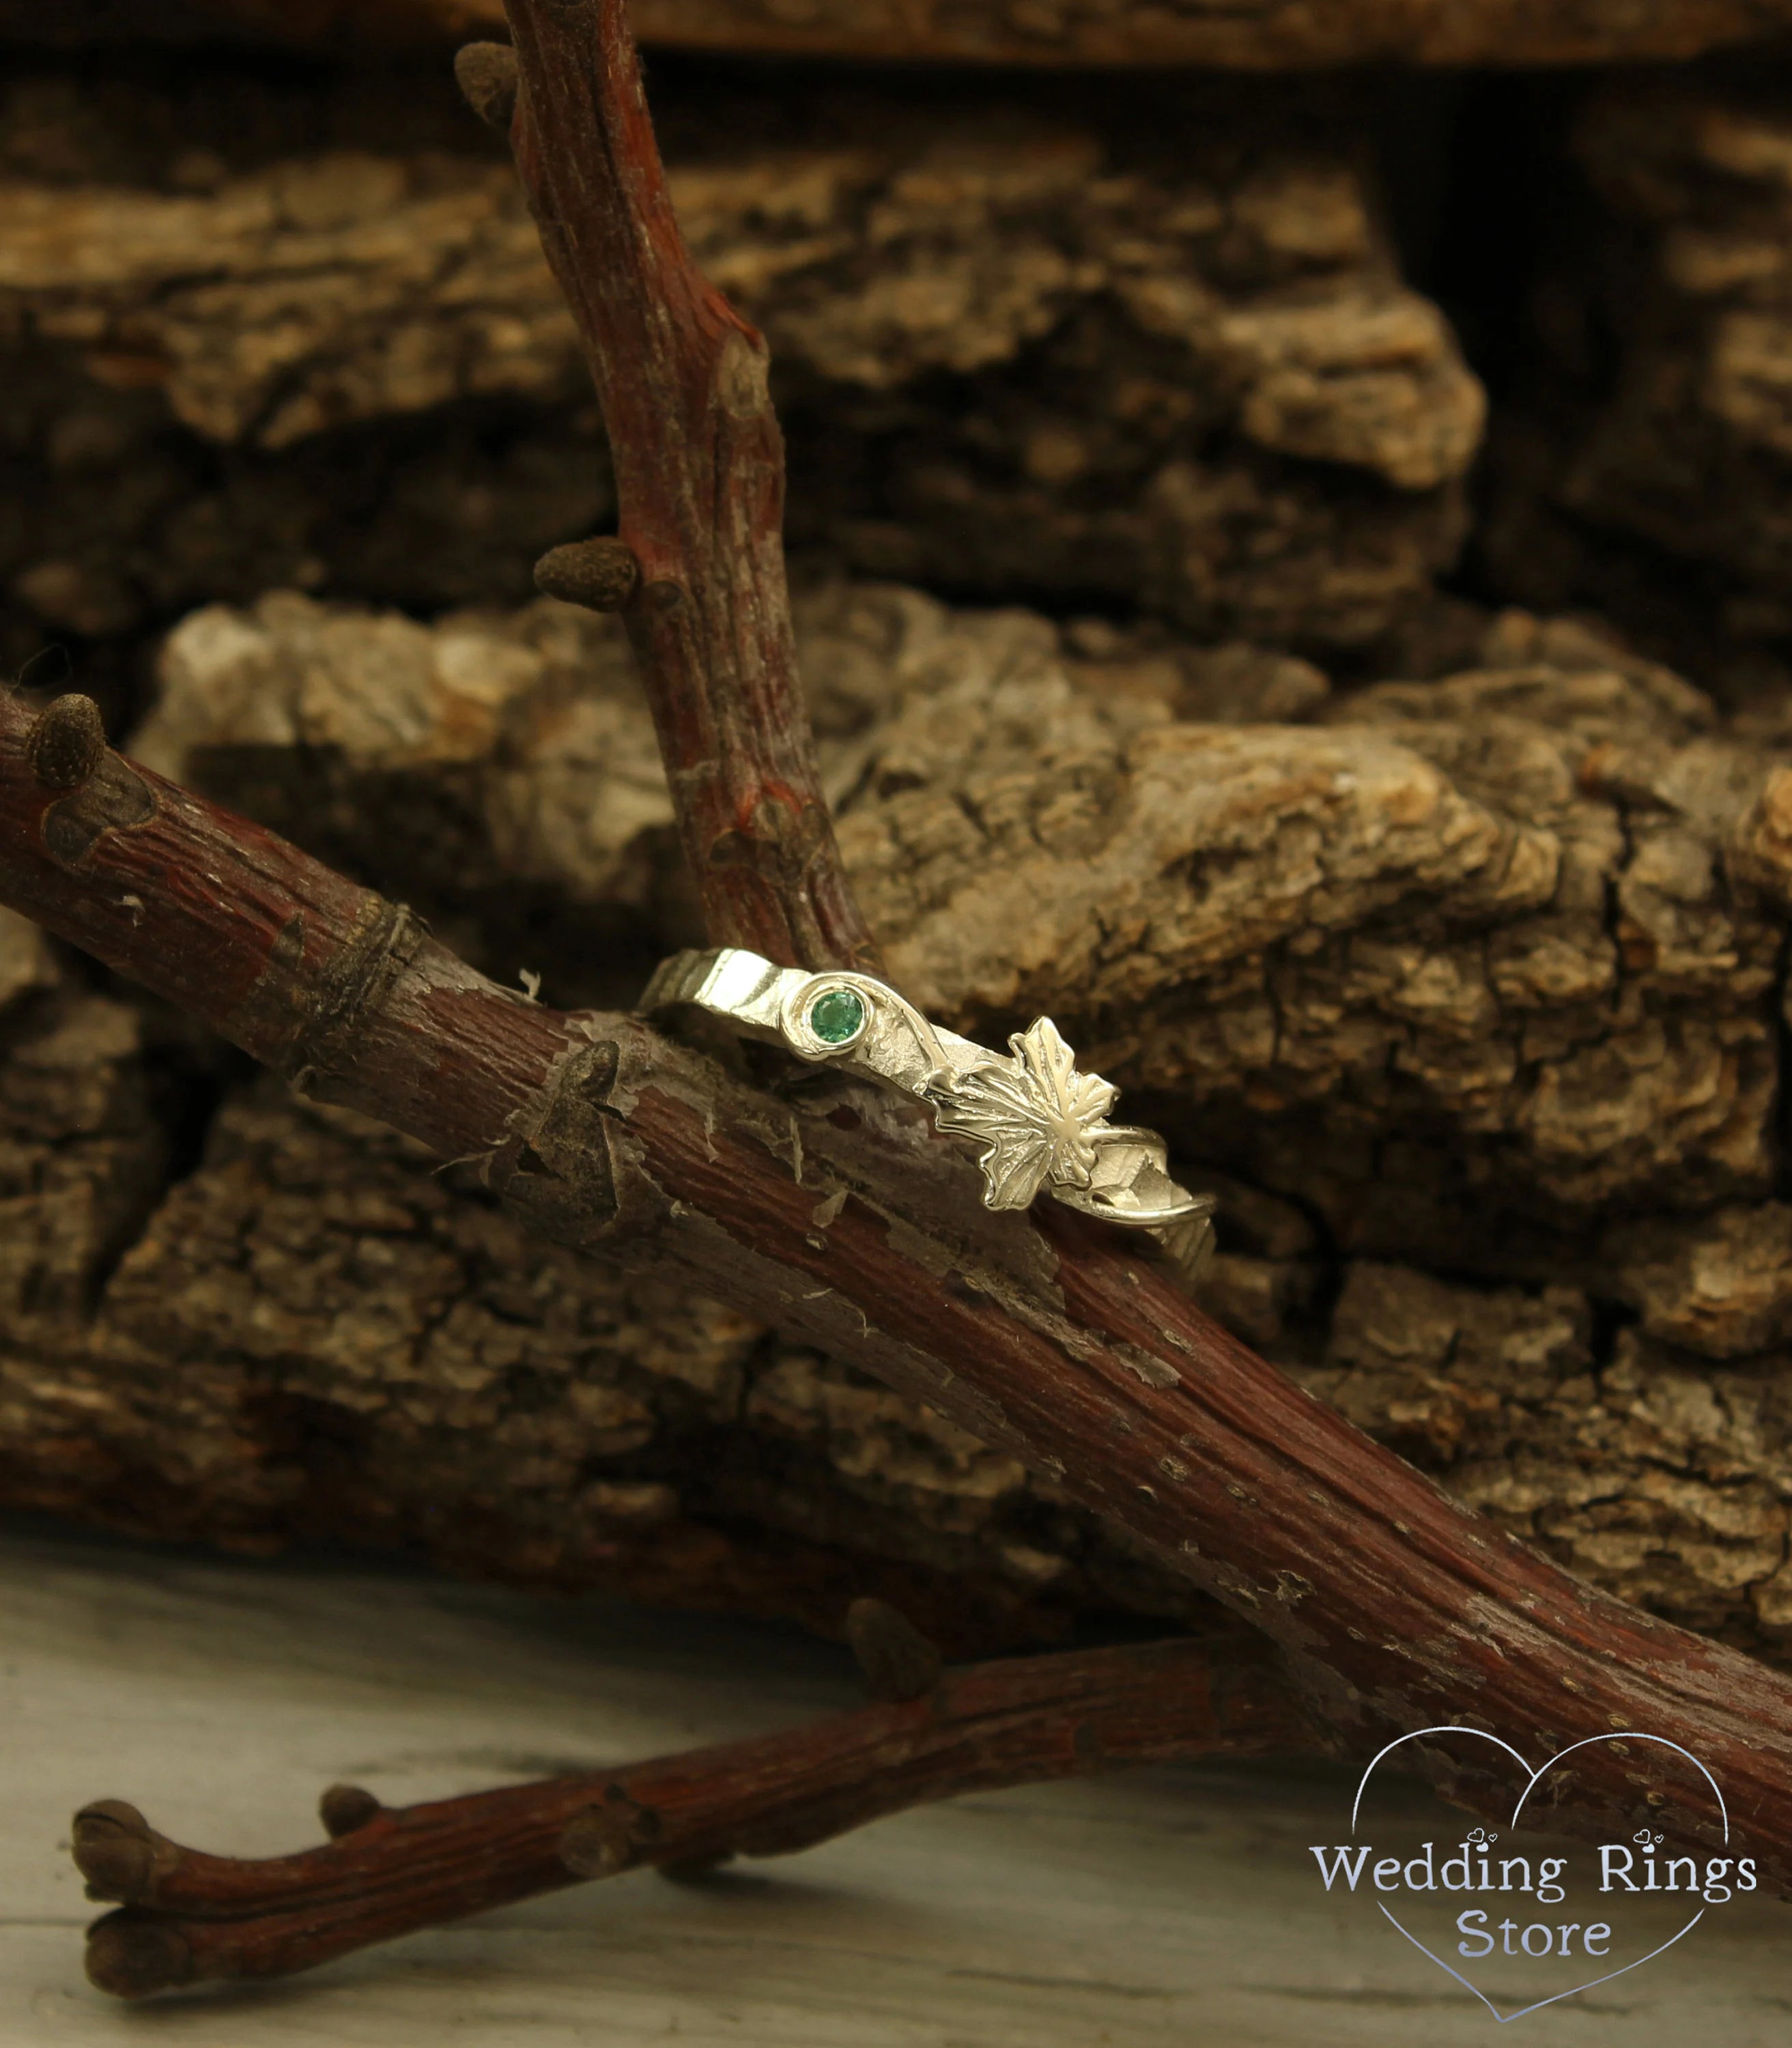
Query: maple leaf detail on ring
x=1034 y=1116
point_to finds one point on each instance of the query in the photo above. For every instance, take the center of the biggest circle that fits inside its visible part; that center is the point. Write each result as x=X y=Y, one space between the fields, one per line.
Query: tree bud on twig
x=130 y=1957
x=344 y=1808
x=114 y=1849
x=67 y=743
x=896 y=1661
x=596 y=1845
x=486 y=75
x=600 y=575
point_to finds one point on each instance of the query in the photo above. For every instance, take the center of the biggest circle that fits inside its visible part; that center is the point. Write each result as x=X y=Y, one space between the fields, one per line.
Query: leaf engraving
x=1032 y=1116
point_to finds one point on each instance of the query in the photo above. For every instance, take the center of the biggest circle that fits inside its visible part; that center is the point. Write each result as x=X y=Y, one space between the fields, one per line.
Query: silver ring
x=1038 y=1124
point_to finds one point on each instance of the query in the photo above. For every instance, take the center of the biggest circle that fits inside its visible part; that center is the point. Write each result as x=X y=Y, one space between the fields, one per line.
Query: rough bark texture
x=1467 y=996
x=1018 y=343
x=829 y=1211
x=1646 y=462
x=1449 y=975
x=83 y=1154
x=1257 y=35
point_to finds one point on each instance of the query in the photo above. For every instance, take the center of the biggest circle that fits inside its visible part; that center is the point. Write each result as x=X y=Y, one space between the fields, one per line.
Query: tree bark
x=1267 y=35
x=1677 y=450
x=1608 y=1386
x=1033 y=1331
x=1021 y=342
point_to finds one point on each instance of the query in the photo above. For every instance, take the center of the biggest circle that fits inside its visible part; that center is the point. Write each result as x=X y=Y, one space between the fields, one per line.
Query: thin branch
x=190 y=1916
x=699 y=461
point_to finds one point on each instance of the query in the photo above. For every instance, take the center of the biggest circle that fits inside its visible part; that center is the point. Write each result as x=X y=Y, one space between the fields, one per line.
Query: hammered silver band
x=1038 y=1124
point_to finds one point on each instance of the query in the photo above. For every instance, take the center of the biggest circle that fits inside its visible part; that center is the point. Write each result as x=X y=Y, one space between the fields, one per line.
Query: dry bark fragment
x=1694 y=448
x=1492 y=917
x=1681 y=446
x=1532 y=1069
x=1015 y=347
x=1641 y=1466
x=83 y=1153
x=1259 y=35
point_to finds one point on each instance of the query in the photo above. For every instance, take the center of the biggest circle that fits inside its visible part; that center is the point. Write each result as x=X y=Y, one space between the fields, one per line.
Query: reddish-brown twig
x=191 y=1916
x=699 y=461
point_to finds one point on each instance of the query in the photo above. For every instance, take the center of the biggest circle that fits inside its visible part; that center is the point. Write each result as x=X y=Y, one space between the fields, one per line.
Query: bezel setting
x=800 y=1006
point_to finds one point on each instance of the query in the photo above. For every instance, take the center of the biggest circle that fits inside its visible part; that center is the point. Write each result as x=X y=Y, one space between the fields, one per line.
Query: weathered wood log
x=1019 y=343
x=1653 y=424
x=1414 y=878
x=1504 y=1057
x=1261 y=35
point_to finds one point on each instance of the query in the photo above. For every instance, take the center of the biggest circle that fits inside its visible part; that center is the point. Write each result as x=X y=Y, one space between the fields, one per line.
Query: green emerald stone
x=837 y=1016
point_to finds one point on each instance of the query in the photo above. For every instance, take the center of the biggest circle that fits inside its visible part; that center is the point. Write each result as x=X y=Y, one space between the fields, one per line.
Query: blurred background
x=1290 y=514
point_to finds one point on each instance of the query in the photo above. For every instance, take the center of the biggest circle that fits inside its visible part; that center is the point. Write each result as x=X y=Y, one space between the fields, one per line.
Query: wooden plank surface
x=1143 y=1911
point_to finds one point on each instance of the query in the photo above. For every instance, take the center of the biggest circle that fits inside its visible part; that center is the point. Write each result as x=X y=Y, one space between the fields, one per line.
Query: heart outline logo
x=1532 y=1777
